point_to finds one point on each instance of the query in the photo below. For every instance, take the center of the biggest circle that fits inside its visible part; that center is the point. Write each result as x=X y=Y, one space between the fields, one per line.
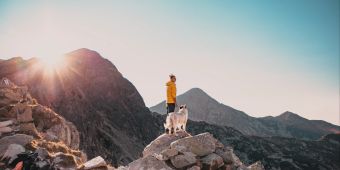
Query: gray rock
x=12 y=151
x=226 y=155
x=6 y=123
x=229 y=156
x=95 y=163
x=5 y=130
x=256 y=166
x=9 y=96
x=242 y=167
x=43 y=165
x=212 y=161
x=20 y=139
x=181 y=161
x=168 y=153
x=148 y=163
x=194 y=168
x=24 y=112
x=201 y=145
x=42 y=153
x=64 y=161
x=162 y=142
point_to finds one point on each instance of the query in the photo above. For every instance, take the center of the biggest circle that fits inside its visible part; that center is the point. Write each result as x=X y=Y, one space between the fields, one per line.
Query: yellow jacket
x=171 y=92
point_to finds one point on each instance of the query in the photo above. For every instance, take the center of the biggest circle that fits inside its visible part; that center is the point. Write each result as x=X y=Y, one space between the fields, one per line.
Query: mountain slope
x=300 y=127
x=89 y=91
x=205 y=108
x=274 y=152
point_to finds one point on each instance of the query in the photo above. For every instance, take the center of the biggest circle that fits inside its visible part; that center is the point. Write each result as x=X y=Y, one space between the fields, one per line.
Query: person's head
x=172 y=77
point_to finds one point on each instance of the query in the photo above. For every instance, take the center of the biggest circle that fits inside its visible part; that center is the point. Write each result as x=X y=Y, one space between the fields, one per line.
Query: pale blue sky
x=262 y=57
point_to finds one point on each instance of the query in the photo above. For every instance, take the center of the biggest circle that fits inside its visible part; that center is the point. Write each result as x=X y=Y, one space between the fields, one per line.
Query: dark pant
x=170 y=107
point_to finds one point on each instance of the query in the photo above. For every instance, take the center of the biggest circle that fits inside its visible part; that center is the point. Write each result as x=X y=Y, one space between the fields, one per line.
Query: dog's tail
x=167 y=123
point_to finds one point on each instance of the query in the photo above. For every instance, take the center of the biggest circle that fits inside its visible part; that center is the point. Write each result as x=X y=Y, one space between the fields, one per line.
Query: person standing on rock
x=171 y=94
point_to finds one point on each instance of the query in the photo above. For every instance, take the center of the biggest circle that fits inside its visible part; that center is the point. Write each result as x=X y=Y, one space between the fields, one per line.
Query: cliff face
x=90 y=92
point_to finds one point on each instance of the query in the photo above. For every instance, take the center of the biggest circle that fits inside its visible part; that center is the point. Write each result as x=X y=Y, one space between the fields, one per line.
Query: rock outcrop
x=184 y=151
x=30 y=131
x=24 y=115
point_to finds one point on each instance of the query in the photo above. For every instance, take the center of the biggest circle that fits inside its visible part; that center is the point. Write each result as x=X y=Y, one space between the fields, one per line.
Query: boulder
x=6 y=123
x=9 y=96
x=42 y=153
x=12 y=151
x=167 y=154
x=148 y=162
x=29 y=129
x=64 y=161
x=95 y=163
x=201 y=145
x=163 y=142
x=43 y=165
x=5 y=130
x=183 y=160
x=212 y=161
x=24 y=112
x=20 y=139
x=229 y=156
x=256 y=166
x=6 y=113
x=194 y=168
x=241 y=167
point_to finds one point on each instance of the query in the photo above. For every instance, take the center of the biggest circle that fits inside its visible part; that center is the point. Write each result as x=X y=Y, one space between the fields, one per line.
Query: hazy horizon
x=263 y=58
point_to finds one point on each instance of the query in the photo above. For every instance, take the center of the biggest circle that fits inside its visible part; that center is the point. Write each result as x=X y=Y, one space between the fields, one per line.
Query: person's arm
x=173 y=93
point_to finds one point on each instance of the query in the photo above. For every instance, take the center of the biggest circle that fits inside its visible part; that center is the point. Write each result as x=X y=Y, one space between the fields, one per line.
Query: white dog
x=176 y=120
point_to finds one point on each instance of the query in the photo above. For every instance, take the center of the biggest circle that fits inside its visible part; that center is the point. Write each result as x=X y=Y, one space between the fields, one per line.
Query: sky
x=262 y=57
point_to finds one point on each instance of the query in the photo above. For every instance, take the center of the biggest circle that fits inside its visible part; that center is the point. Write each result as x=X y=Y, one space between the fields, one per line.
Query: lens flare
x=52 y=64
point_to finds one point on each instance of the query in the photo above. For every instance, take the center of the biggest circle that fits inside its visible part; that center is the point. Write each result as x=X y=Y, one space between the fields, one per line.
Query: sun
x=52 y=64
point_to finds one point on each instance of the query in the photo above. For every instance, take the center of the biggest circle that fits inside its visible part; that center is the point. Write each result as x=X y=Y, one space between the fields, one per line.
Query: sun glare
x=52 y=64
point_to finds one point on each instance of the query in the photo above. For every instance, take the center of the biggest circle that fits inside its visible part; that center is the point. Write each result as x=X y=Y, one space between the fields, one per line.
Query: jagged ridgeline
x=113 y=122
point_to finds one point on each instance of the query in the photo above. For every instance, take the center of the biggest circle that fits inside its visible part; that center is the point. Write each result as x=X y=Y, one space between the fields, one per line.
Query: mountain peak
x=196 y=89
x=197 y=92
x=84 y=53
x=288 y=114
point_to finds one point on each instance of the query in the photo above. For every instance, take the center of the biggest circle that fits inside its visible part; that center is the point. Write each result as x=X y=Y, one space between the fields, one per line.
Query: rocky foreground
x=36 y=135
x=183 y=151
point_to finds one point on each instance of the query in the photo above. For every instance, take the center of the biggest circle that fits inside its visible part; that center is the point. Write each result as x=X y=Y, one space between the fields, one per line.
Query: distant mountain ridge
x=203 y=107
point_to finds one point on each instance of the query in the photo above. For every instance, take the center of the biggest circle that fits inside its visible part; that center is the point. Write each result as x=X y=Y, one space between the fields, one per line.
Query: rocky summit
x=184 y=151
